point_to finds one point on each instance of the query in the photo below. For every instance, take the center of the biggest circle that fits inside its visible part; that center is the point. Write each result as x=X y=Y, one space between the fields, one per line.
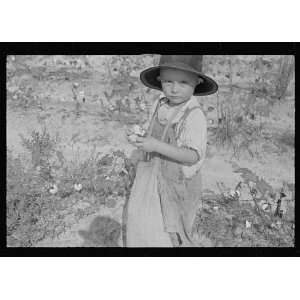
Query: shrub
x=34 y=214
x=41 y=146
x=286 y=70
x=24 y=97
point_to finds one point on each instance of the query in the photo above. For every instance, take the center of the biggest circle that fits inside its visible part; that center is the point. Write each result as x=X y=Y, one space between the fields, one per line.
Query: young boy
x=177 y=139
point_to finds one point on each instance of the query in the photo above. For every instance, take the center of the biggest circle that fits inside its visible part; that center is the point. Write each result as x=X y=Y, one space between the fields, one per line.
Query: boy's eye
x=183 y=82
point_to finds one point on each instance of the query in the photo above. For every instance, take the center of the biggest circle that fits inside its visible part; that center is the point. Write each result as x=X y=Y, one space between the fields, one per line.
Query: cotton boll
x=132 y=138
x=53 y=189
x=265 y=206
x=110 y=107
x=232 y=193
x=252 y=184
x=78 y=187
x=138 y=130
x=143 y=106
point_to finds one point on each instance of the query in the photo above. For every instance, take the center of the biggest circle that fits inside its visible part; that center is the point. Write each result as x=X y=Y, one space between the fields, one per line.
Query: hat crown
x=188 y=62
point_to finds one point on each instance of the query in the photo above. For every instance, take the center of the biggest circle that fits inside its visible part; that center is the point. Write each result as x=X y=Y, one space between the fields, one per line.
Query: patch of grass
x=24 y=98
x=241 y=125
x=26 y=203
x=41 y=146
x=287 y=68
x=226 y=226
x=33 y=213
x=238 y=135
x=287 y=138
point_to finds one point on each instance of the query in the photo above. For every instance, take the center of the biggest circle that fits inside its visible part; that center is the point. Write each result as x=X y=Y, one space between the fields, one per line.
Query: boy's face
x=178 y=86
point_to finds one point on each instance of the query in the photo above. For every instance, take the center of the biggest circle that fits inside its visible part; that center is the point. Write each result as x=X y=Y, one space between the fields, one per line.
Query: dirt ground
x=85 y=130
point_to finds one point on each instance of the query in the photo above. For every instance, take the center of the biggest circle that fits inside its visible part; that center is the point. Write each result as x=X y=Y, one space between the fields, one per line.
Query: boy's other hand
x=136 y=156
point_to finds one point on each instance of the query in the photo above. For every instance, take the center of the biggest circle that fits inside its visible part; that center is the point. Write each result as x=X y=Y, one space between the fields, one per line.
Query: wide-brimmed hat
x=190 y=63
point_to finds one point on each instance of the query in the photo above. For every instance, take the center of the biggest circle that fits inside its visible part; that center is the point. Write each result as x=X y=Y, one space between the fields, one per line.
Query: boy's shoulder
x=186 y=111
x=193 y=106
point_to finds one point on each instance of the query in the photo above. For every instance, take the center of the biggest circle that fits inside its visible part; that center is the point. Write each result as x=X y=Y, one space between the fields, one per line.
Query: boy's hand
x=136 y=156
x=134 y=132
x=148 y=144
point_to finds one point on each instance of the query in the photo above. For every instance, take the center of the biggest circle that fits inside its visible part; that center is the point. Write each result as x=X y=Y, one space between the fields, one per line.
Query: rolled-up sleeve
x=193 y=135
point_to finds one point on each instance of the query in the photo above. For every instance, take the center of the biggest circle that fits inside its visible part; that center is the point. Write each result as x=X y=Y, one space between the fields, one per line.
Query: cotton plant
x=116 y=168
x=119 y=165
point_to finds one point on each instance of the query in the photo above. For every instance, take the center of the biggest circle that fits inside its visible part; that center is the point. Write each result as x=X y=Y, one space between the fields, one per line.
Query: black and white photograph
x=150 y=150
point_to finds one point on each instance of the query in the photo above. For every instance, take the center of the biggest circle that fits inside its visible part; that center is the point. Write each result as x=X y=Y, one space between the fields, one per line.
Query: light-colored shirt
x=191 y=132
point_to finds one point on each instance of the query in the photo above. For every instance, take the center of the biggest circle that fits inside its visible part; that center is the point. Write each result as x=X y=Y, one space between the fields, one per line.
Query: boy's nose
x=174 y=87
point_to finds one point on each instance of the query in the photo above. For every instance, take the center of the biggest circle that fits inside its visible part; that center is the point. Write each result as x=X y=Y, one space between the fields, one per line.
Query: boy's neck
x=169 y=103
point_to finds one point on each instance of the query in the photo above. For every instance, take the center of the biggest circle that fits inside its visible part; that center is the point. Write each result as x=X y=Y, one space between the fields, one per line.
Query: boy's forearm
x=183 y=155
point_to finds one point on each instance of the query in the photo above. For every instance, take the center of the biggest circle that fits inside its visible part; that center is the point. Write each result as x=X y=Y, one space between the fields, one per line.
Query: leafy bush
x=33 y=213
x=124 y=91
x=41 y=146
x=239 y=126
x=231 y=223
x=287 y=68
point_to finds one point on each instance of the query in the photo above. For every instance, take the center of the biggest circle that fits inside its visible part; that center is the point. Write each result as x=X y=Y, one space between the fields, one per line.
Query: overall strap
x=174 y=114
x=170 y=121
x=188 y=112
x=154 y=115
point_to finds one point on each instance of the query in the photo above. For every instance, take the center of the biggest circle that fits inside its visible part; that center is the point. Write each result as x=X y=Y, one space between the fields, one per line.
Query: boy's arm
x=191 y=148
x=180 y=154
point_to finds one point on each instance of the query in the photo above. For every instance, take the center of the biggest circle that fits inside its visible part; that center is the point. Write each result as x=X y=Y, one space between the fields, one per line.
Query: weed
x=34 y=214
x=287 y=138
x=24 y=98
x=240 y=127
x=286 y=70
x=124 y=94
x=41 y=146
x=238 y=224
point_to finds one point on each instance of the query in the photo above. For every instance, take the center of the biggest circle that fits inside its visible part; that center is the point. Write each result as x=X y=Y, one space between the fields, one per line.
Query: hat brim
x=207 y=87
